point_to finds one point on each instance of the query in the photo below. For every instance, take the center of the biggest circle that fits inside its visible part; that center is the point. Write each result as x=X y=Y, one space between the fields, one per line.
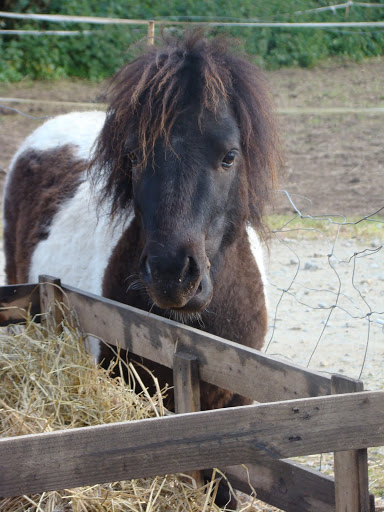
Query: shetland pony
x=158 y=203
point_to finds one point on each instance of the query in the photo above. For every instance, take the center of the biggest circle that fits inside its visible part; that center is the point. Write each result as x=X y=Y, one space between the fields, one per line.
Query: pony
x=158 y=202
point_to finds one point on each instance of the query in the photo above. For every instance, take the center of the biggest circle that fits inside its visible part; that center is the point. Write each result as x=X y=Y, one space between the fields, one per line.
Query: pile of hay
x=49 y=382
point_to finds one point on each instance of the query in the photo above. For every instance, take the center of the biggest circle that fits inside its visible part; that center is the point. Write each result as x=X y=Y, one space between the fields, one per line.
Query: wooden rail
x=60 y=18
x=16 y=300
x=285 y=484
x=135 y=449
x=280 y=429
x=221 y=362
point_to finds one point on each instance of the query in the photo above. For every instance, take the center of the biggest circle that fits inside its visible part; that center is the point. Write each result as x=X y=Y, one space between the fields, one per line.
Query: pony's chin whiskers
x=151 y=305
x=183 y=317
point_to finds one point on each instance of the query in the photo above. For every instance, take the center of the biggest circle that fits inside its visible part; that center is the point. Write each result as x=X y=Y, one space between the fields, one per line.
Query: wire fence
x=281 y=110
x=346 y=6
x=326 y=302
x=201 y=20
x=326 y=288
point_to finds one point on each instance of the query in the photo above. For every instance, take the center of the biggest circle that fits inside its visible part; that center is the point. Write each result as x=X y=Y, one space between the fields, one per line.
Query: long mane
x=149 y=94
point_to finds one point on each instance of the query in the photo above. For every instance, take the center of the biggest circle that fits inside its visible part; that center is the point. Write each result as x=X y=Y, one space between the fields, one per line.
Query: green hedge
x=98 y=55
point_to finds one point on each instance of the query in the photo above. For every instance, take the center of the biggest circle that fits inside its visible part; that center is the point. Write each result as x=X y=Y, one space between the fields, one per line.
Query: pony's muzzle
x=180 y=281
x=202 y=296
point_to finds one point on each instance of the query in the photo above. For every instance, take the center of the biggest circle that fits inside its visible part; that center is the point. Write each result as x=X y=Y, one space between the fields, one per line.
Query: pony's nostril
x=146 y=273
x=190 y=271
x=147 y=267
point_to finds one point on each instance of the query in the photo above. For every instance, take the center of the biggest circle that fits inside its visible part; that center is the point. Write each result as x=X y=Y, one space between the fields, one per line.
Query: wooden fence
x=60 y=18
x=295 y=416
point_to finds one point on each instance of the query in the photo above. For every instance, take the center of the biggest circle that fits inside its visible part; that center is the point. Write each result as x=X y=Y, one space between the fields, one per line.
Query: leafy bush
x=98 y=55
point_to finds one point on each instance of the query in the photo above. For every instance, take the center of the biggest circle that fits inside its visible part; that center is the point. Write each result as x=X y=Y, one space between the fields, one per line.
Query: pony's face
x=188 y=198
x=202 y=117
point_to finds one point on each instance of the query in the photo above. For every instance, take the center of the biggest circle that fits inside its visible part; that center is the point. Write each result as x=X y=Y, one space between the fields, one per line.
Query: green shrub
x=98 y=55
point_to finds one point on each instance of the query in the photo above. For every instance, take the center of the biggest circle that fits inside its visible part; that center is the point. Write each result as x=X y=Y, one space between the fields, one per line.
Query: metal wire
x=209 y=21
x=17 y=111
x=353 y=304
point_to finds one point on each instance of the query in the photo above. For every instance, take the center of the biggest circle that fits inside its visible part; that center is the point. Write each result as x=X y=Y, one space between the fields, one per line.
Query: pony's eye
x=229 y=159
x=133 y=158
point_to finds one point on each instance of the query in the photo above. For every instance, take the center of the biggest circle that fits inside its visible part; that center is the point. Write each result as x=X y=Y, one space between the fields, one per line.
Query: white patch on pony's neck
x=79 y=245
x=258 y=254
x=80 y=242
x=81 y=235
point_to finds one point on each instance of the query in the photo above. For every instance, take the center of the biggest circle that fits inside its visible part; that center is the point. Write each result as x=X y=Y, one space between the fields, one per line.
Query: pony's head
x=189 y=139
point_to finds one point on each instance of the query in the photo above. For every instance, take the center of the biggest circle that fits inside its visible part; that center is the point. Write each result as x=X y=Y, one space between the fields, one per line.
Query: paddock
x=300 y=412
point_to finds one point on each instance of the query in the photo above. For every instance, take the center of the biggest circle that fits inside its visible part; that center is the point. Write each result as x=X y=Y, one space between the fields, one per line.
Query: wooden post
x=186 y=381
x=351 y=467
x=349 y=3
x=50 y=294
x=151 y=32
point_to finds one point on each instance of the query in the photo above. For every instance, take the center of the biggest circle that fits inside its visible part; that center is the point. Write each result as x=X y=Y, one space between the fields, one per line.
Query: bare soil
x=335 y=160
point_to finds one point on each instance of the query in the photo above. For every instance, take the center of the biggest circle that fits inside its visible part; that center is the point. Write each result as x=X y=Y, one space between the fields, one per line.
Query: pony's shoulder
x=78 y=129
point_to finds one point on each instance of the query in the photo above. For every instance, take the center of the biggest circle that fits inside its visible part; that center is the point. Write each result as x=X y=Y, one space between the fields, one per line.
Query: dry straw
x=49 y=382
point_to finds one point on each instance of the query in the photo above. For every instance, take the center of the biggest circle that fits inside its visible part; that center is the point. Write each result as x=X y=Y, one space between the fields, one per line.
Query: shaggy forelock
x=149 y=94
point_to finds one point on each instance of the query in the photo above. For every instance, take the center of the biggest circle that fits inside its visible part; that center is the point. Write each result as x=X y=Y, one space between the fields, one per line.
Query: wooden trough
x=300 y=412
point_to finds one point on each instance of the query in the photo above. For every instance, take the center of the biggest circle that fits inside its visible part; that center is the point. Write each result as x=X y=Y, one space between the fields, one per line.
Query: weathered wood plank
x=15 y=300
x=155 y=338
x=50 y=295
x=186 y=383
x=223 y=363
x=351 y=467
x=285 y=485
x=200 y=440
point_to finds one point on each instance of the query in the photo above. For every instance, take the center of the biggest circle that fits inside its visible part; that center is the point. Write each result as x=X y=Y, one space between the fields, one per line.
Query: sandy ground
x=326 y=313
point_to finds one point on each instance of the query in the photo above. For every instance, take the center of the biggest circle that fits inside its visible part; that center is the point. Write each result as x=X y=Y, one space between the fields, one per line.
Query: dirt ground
x=326 y=289
x=336 y=160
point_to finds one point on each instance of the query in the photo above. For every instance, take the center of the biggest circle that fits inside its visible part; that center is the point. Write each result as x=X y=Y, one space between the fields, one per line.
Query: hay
x=49 y=382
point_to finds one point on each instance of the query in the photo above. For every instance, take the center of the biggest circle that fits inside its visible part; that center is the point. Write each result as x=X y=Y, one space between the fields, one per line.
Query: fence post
x=50 y=294
x=151 y=32
x=351 y=467
x=186 y=381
